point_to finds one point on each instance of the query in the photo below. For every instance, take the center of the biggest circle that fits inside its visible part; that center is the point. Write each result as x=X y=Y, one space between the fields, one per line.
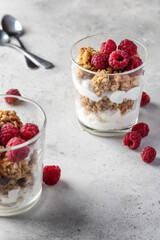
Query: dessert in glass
x=108 y=73
x=22 y=130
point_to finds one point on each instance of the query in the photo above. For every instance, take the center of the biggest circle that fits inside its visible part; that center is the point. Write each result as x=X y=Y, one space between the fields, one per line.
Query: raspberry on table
x=132 y=140
x=99 y=61
x=148 y=154
x=29 y=131
x=145 y=99
x=11 y=100
x=118 y=59
x=128 y=46
x=51 y=174
x=108 y=47
x=19 y=154
x=8 y=131
x=142 y=128
x=134 y=62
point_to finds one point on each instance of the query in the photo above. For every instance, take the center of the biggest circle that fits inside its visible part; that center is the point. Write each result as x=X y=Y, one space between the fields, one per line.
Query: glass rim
x=40 y=131
x=110 y=74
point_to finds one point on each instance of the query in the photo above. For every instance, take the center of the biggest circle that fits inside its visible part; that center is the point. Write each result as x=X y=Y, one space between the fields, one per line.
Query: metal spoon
x=14 y=28
x=4 y=41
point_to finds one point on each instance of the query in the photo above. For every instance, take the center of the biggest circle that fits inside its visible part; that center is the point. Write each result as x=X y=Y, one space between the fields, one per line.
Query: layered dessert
x=20 y=171
x=108 y=85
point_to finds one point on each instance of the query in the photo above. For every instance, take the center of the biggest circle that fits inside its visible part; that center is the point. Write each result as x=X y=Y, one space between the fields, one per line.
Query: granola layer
x=103 y=83
x=105 y=104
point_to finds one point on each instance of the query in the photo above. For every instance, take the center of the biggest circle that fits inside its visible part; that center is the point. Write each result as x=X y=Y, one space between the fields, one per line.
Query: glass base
x=14 y=211
x=111 y=133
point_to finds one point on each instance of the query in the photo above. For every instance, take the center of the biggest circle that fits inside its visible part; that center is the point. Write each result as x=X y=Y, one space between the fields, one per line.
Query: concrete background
x=106 y=191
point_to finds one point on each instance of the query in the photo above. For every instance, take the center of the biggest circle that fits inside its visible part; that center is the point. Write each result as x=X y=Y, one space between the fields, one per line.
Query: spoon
x=14 y=28
x=5 y=41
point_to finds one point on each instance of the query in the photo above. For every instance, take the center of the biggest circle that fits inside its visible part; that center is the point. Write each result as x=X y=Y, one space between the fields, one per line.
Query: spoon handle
x=30 y=64
x=37 y=60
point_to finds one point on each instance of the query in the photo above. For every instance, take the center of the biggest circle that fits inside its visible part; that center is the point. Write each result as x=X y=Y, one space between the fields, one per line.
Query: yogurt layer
x=108 y=120
x=85 y=88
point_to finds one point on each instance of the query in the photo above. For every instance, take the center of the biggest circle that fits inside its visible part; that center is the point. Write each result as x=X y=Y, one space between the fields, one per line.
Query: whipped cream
x=85 y=88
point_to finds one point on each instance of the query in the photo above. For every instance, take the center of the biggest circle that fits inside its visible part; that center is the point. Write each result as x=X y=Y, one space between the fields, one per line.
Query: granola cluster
x=84 y=60
x=105 y=104
x=104 y=83
x=14 y=174
x=10 y=117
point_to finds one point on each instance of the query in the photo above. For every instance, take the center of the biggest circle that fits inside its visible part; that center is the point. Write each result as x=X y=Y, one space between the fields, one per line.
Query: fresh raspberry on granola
x=108 y=47
x=99 y=61
x=118 y=59
x=11 y=100
x=134 y=62
x=142 y=128
x=19 y=154
x=132 y=140
x=148 y=154
x=145 y=99
x=29 y=131
x=8 y=131
x=128 y=46
x=51 y=175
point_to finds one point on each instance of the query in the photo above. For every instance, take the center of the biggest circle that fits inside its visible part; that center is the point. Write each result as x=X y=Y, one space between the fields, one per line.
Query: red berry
x=148 y=154
x=128 y=46
x=28 y=131
x=19 y=154
x=99 y=61
x=132 y=140
x=134 y=62
x=118 y=59
x=142 y=128
x=11 y=100
x=108 y=47
x=51 y=175
x=145 y=99
x=8 y=131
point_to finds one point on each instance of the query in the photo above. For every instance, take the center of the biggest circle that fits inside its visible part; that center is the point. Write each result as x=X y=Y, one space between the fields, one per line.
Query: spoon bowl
x=12 y=26
x=4 y=38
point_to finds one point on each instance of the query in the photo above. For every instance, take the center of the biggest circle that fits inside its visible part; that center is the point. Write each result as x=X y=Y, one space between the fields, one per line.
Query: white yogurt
x=85 y=88
x=12 y=197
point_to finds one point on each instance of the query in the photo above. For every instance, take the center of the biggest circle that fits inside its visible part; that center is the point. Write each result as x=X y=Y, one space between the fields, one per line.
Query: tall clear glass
x=21 y=181
x=101 y=111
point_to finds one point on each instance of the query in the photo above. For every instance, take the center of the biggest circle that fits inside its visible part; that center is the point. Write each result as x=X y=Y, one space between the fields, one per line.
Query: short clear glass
x=21 y=180
x=113 y=112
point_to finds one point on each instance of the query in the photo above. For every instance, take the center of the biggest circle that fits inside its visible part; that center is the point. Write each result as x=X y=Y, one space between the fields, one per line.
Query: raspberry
x=51 y=175
x=7 y=132
x=132 y=140
x=99 y=61
x=134 y=62
x=108 y=47
x=148 y=154
x=118 y=59
x=142 y=128
x=10 y=100
x=28 y=131
x=145 y=99
x=19 y=154
x=128 y=46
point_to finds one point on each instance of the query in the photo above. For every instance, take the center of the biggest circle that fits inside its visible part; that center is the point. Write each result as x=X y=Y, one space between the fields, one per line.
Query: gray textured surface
x=106 y=191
